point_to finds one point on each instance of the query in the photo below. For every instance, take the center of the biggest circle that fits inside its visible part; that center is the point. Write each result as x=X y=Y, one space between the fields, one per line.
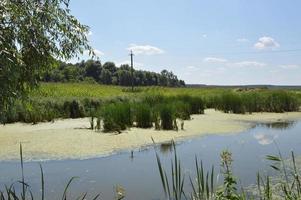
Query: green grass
x=85 y=90
x=76 y=90
x=73 y=100
x=143 y=115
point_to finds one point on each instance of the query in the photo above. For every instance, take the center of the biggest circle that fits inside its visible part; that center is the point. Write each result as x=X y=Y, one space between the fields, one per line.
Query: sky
x=217 y=42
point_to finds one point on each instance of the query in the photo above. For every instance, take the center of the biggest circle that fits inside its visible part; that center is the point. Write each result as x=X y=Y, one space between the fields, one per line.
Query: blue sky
x=222 y=42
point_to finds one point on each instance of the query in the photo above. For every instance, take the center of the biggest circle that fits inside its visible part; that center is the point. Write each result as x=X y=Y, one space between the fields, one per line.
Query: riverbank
x=71 y=138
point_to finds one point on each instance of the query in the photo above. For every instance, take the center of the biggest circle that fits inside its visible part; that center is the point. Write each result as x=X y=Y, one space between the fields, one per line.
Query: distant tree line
x=109 y=74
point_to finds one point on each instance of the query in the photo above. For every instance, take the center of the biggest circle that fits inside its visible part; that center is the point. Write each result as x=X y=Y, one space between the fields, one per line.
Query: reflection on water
x=266 y=138
x=137 y=170
x=166 y=148
x=278 y=125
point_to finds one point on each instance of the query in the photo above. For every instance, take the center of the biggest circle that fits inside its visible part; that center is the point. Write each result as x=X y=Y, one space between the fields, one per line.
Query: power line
x=132 y=70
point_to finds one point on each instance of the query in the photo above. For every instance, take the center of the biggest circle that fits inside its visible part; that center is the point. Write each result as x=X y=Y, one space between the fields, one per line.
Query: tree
x=110 y=66
x=34 y=33
x=163 y=78
x=93 y=69
x=124 y=77
x=105 y=76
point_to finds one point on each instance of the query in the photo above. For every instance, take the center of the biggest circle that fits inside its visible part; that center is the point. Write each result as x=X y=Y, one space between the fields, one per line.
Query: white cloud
x=266 y=43
x=228 y=63
x=145 y=49
x=248 y=64
x=214 y=60
x=96 y=52
x=192 y=68
x=289 y=66
x=242 y=40
x=204 y=35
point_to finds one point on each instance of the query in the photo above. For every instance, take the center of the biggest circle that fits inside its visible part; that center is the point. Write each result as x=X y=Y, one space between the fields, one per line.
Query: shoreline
x=71 y=138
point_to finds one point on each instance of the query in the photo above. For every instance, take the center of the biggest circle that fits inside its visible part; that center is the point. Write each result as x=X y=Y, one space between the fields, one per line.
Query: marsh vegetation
x=160 y=107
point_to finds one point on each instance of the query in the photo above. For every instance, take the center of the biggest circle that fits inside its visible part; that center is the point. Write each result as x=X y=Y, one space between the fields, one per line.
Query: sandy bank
x=71 y=139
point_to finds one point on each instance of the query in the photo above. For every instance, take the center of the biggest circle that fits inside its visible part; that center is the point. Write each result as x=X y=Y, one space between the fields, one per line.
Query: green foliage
x=256 y=101
x=116 y=117
x=10 y=193
x=74 y=109
x=196 y=104
x=289 y=185
x=183 y=110
x=31 y=38
x=230 y=102
x=167 y=116
x=228 y=190
x=109 y=74
x=202 y=187
x=143 y=115
x=174 y=188
x=281 y=101
x=68 y=100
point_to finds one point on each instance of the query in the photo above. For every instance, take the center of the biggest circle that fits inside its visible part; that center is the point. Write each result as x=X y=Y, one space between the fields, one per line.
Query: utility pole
x=132 y=70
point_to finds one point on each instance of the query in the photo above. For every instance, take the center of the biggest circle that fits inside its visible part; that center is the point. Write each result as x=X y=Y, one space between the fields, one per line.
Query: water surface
x=138 y=172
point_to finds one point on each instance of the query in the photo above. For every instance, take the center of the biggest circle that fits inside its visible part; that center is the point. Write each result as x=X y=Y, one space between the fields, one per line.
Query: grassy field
x=146 y=105
x=82 y=90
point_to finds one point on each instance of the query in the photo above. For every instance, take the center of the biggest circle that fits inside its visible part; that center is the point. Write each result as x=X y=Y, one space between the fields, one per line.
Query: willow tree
x=33 y=34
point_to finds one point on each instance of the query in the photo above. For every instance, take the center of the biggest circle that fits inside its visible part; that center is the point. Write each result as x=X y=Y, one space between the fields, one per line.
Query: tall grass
x=73 y=100
x=256 y=101
x=10 y=192
x=203 y=186
x=117 y=117
x=143 y=115
x=167 y=116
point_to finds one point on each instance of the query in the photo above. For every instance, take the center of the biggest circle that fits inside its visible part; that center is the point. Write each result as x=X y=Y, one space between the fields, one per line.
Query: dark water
x=139 y=174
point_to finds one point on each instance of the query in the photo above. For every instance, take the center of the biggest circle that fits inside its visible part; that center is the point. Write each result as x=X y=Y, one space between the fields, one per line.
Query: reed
x=167 y=116
x=143 y=115
x=116 y=117
x=10 y=192
x=182 y=110
x=203 y=186
x=52 y=101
